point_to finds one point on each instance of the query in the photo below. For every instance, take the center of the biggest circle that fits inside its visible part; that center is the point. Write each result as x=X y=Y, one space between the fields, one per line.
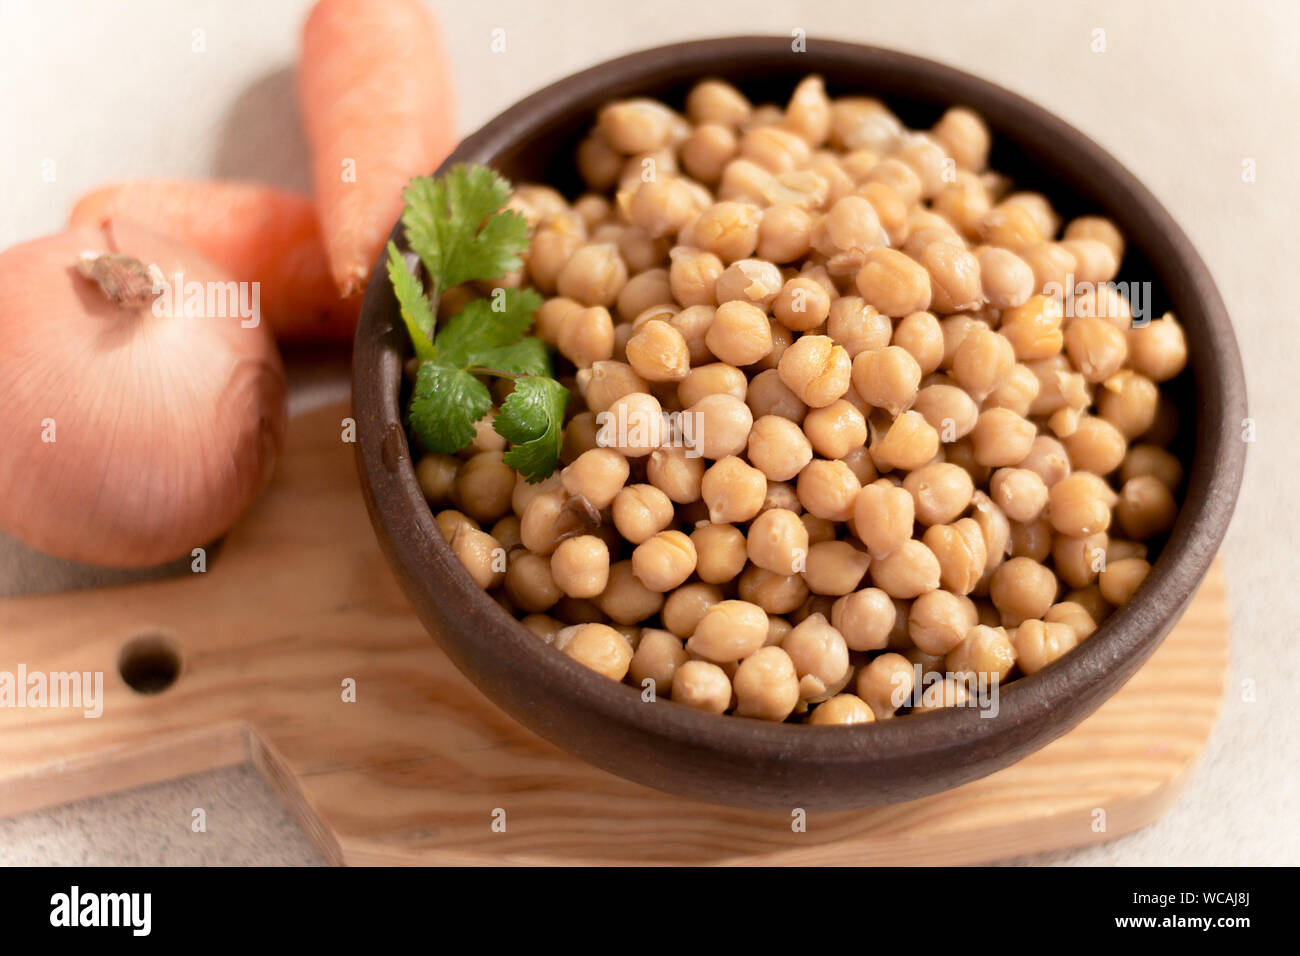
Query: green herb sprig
x=461 y=231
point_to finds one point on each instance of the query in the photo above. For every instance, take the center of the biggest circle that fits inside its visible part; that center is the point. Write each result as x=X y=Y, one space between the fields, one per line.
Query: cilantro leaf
x=478 y=328
x=458 y=227
x=445 y=405
x=417 y=313
x=525 y=357
x=531 y=419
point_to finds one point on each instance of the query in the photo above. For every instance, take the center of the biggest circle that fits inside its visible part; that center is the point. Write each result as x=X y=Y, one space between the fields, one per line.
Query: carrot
x=256 y=233
x=375 y=90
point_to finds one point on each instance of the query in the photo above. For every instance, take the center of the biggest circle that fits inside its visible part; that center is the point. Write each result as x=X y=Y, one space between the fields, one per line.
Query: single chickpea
x=961 y=551
x=802 y=304
x=1094 y=262
x=766 y=685
x=1074 y=615
x=715 y=101
x=886 y=684
x=842 y=709
x=721 y=551
x=857 y=326
x=984 y=654
x=1048 y=459
x=828 y=489
x=580 y=566
x=1010 y=226
x=484 y=485
x=865 y=618
x=733 y=491
x=887 y=378
x=1129 y=401
x=703 y=686
x=833 y=431
x=909 y=443
x=1158 y=350
x=717 y=378
x=657 y=657
x=706 y=152
x=921 y=335
x=1022 y=589
x=1095 y=445
x=1034 y=328
x=684 y=607
x=437 y=477
x=1007 y=281
x=537 y=524
x=939 y=621
x=893 y=283
x=834 y=568
x=940 y=491
x=1002 y=438
x=752 y=281
x=1090 y=600
x=529 y=583
x=677 y=472
x=633 y=424
x=778 y=447
x=597 y=646
x=965 y=137
x=1038 y=643
x=542 y=626
x=598 y=164
x=480 y=554
x=728 y=229
x=778 y=542
x=1096 y=347
x=768 y=395
x=598 y=475
x=1146 y=507
x=774 y=593
x=1155 y=461
x=693 y=276
x=1031 y=539
x=634 y=126
x=1077 y=560
x=900 y=177
x=594 y=275
x=816 y=370
x=955 y=283
x=781 y=494
x=587 y=336
x=664 y=561
x=625 y=599
x=908 y=571
x=658 y=352
x=982 y=362
x=718 y=425
x=573 y=611
x=729 y=631
x=607 y=381
x=744 y=180
x=948 y=410
x=641 y=511
x=1019 y=492
x=1076 y=506
x=739 y=334
x=1099 y=228
x=819 y=653
x=883 y=515
x=776 y=150
x=784 y=233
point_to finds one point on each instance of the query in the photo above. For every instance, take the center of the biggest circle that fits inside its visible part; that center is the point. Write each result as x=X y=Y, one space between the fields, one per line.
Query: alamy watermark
x=213 y=300
x=68 y=690
x=1083 y=299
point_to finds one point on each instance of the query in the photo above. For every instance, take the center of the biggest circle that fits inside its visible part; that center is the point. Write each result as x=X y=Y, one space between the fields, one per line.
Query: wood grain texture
x=300 y=599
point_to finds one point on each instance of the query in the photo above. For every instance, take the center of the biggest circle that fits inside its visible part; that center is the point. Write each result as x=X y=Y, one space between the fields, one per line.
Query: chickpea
x=484 y=485
x=1019 y=492
x=778 y=542
x=857 y=326
x=745 y=181
x=834 y=431
x=537 y=524
x=816 y=370
x=480 y=554
x=634 y=425
x=887 y=378
x=625 y=599
x=1130 y=402
x=776 y=150
x=784 y=233
x=1094 y=262
x=961 y=551
x=842 y=709
x=687 y=605
x=702 y=685
x=580 y=566
x=718 y=425
x=604 y=382
x=598 y=164
x=1158 y=350
x=1074 y=615
x=1152 y=460
x=1076 y=506
x=1002 y=438
x=715 y=101
x=768 y=395
x=774 y=593
x=657 y=657
x=640 y=512
x=982 y=362
x=437 y=477
x=883 y=516
x=948 y=410
x=1038 y=643
x=751 y=281
x=766 y=685
x=778 y=447
x=908 y=571
x=939 y=621
x=529 y=583
x=909 y=443
x=802 y=304
x=922 y=337
x=706 y=152
x=940 y=491
x=1007 y=281
x=886 y=684
x=664 y=561
x=597 y=646
x=1099 y=228
x=781 y=494
x=728 y=229
x=594 y=275
x=658 y=352
x=984 y=654
x=1010 y=226
x=1146 y=507
x=598 y=475
x=834 y=568
x=542 y=626
x=587 y=336
x=739 y=334
x=955 y=281
x=1022 y=589
x=677 y=473
x=828 y=489
x=729 y=631
x=893 y=283
x=721 y=552
x=1031 y=539
x=693 y=276
x=644 y=291
x=717 y=378
x=733 y=491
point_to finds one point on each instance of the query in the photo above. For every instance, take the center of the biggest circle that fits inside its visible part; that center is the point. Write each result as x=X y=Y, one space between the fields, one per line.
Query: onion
x=131 y=429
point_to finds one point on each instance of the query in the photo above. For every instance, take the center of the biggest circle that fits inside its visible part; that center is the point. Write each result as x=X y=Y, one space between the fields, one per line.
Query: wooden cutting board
x=421 y=768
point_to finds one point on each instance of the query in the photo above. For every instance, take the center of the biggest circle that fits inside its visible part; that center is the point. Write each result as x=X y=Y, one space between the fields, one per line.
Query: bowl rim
x=427 y=568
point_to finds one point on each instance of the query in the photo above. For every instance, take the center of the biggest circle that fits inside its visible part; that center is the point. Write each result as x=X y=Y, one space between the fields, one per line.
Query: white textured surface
x=1183 y=94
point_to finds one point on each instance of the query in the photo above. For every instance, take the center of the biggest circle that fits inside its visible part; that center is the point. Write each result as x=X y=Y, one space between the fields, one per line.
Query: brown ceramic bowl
x=747 y=762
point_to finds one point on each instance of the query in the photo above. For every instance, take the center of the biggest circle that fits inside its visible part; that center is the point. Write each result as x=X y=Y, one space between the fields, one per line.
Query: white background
x=1183 y=94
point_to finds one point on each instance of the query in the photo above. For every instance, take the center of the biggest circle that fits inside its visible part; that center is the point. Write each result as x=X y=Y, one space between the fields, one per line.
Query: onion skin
x=166 y=427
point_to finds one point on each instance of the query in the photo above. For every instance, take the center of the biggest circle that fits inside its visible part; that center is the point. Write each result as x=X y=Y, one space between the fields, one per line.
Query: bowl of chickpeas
x=904 y=423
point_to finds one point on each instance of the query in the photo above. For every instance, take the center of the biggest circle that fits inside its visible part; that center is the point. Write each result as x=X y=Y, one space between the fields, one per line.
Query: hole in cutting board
x=149 y=664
